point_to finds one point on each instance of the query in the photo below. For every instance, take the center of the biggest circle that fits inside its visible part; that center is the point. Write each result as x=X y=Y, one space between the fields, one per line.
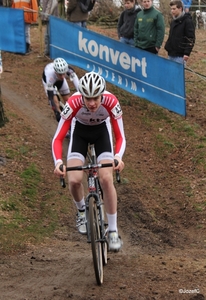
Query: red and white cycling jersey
x=75 y=108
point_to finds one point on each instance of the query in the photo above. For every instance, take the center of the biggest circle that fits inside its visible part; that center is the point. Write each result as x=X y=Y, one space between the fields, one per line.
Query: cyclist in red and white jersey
x=54 y=80
x=92 y=113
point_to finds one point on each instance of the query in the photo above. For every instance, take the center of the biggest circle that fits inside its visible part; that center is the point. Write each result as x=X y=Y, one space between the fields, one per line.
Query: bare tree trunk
x=3 y=119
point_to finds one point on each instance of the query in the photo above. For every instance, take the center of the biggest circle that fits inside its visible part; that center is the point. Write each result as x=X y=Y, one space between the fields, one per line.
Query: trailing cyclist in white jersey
x=54 y=81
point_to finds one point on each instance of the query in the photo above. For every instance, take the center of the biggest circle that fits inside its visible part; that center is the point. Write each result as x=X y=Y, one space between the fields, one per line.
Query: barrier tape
x=203 y=77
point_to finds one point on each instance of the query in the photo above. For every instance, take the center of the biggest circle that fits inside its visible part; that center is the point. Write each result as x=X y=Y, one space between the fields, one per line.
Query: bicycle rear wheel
x=96 y=241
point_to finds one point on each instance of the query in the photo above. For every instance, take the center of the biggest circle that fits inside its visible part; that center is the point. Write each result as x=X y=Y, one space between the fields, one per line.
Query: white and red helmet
x=92 y=85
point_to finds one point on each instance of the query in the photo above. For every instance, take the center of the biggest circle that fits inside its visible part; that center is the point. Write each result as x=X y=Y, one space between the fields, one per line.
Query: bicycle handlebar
x=87 y=167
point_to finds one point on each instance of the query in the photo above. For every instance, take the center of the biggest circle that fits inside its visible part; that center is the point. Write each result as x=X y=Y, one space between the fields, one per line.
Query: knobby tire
x=95 y=241
x=104 y=244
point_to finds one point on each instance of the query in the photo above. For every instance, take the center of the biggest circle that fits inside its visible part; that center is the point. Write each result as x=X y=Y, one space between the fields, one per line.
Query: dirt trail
x=62 y=268
x=30 y=110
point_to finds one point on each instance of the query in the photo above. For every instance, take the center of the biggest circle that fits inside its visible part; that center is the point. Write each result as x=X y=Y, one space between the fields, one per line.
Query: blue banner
x=141 y=73
x=187 y=3
x=12 y=30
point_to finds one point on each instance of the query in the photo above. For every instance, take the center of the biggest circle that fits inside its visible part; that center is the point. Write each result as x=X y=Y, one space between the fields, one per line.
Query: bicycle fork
x=100 y=213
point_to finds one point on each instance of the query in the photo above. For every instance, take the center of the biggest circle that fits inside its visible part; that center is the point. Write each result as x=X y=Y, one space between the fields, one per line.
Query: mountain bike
x=97 y=227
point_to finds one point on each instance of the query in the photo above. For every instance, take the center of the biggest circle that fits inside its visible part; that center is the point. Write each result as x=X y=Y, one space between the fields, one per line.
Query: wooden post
x=3 y=119
x=40 y=33
x=1 y=65
x=2 y=122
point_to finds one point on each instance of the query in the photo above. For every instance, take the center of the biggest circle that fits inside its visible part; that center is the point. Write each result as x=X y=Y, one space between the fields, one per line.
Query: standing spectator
x=47 y=8
x=30 y=8
x=6 y=3
x=149 y=28
x=78 y=11
x=125 y=27
x=181 y=38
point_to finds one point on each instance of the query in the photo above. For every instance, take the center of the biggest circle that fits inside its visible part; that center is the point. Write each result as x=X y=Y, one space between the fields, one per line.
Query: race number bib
x=67 y=111
x=117 y=111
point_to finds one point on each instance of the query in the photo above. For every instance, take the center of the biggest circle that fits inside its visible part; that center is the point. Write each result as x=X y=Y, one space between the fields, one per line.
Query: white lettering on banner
x=112 y=56
x=126 y=82
x=144 y=65
x=122 y=81
x=100 y=71
x=133 y=86
x=93 y=48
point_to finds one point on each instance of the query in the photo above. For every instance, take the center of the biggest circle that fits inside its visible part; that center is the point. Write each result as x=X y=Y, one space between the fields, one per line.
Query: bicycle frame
x=95 y=191
x=95 y=221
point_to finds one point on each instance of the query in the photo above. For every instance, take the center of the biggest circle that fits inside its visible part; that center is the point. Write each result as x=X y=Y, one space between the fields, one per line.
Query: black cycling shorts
x=99 y=135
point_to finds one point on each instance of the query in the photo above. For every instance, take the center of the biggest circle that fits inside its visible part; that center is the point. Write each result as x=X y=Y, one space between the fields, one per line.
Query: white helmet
x=60 y=65
x=91 y=85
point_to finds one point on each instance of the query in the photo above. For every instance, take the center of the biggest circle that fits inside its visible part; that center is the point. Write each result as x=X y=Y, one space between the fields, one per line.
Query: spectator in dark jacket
x=182 y=34
x=125 y=27
x=78 y=11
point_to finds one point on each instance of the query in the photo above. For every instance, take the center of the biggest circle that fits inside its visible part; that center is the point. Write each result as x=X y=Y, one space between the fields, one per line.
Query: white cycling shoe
x=114 y=241
x=81 y=222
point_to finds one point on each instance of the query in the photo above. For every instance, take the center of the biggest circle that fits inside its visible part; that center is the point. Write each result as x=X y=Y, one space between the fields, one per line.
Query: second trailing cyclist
x=54 y=80
x=91 y=112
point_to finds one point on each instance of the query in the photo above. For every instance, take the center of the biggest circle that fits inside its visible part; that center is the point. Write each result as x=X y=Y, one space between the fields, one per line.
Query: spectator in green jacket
x=149 y=28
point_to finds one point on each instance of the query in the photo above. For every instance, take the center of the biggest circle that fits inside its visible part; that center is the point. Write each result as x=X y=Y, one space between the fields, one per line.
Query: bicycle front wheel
x=103 y=229
x=96 y=241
